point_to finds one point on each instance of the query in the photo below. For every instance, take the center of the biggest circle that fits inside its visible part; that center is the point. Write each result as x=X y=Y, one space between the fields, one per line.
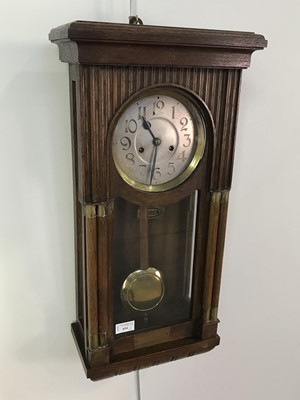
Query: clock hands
x=156 y=142
x=153 y=164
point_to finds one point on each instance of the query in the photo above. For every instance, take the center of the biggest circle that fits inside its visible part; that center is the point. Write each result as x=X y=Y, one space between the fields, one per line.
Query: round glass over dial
x=158 y=141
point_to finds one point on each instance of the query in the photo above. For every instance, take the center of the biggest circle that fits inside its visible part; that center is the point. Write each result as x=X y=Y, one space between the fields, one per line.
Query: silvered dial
x=158 y=141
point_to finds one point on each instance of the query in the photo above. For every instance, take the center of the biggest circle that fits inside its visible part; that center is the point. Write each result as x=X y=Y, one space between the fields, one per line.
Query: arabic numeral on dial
x=143 y=169
x=182 y=156
x=173 y=112
x=130 y=126
x=158 y=106
x=157 y=174
x=142 y=112
x=183 y=122
x=171 y=168
x=130 y=158
x=187 y=140
x=125 y=142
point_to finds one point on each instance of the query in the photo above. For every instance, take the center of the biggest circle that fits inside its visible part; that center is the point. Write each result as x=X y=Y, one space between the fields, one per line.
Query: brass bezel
x=194 y=106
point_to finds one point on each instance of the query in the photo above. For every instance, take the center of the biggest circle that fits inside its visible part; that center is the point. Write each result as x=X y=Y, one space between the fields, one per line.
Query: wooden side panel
x=214 y=255
x=79 y=223
x=210 y=255
x=92 y=282
x=219 y=255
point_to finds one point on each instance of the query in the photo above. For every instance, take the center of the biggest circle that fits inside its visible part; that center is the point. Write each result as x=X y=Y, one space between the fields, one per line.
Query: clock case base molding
x=132 y=361
x=108 y=64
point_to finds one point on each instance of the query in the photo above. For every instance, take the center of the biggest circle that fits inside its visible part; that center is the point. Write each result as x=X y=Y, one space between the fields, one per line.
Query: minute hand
x=153 y=164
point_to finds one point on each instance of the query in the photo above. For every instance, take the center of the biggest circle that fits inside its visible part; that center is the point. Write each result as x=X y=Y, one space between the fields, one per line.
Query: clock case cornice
x=101 y=43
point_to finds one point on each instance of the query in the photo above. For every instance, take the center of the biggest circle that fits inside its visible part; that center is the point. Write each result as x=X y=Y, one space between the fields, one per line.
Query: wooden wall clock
x=154 y=112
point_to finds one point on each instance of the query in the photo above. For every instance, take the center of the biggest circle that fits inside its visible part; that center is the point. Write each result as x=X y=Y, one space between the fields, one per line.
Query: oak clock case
x=153 y=112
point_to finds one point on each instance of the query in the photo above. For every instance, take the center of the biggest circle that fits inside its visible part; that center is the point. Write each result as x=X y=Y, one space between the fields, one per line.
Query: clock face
x=158 y=140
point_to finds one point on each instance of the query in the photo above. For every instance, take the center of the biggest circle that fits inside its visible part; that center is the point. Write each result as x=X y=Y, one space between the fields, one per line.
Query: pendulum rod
x=144 y=240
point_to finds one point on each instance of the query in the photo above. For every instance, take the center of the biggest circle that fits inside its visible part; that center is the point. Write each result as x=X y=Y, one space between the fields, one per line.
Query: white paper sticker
x=125 y=327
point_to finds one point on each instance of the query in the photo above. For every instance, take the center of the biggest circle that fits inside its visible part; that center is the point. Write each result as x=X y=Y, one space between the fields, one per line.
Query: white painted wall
x=259 y=355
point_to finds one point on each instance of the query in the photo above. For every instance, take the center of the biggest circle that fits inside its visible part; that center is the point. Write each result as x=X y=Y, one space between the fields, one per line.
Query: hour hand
x=146 y=125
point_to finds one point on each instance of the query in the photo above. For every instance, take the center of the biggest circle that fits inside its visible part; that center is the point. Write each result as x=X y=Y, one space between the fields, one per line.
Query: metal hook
x=133 y=18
